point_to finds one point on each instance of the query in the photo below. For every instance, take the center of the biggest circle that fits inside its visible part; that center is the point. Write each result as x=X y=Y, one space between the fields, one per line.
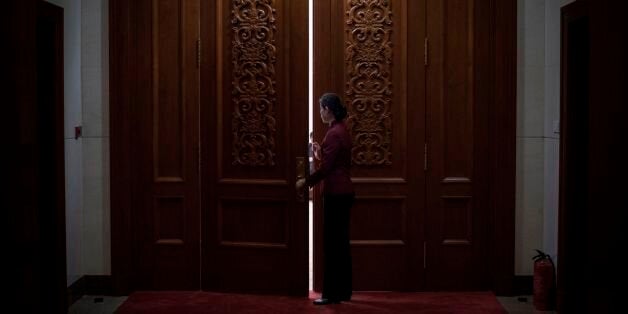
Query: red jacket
x=336 y=161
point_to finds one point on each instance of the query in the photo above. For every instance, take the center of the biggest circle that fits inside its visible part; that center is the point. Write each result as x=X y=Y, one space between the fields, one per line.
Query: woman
x=338 y=196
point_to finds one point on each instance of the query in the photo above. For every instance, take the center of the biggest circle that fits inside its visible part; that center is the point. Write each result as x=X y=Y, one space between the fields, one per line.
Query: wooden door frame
x=502 y=145
x=55 y=228
x=571 y=221
x=37 y=218
x=497 y=57
x=122 y=78
x=25 y=234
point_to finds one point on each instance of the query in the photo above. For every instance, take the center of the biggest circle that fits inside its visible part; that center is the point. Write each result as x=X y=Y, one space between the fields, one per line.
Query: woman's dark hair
x=333 y=102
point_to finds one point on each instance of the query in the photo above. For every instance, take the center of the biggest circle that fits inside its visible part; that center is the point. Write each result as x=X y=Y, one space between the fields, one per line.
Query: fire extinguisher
x=544 y=282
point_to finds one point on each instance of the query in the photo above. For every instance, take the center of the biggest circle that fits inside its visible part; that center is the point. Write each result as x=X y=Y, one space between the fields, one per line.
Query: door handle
x=301 y=175
x=300 y=167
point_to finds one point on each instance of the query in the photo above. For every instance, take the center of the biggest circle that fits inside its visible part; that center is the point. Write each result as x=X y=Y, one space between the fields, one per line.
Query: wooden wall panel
x=155 y=144
x=381 y=218
x=253 y=222
x=459 y=104
x=168 y=90
x=496 y=49
x=169 y=220
x=450 y=139
x=456 y=220
x=457 y=86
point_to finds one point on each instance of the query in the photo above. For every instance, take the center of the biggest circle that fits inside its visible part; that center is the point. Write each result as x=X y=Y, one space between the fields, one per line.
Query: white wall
x=94 y=71
x=530 y=132
x=86 y=158
x=538 y=113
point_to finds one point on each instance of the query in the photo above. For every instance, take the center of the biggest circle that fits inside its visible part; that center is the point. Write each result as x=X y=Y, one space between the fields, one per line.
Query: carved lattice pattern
x=254 y=56
x=368 y=63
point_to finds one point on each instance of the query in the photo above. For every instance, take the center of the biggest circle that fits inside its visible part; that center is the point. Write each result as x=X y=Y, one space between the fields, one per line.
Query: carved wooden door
x=254 y=111
x=410 y=77
x=372 y=55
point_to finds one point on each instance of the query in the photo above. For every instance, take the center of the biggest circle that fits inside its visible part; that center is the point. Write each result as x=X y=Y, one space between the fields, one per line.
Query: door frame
x=53 y=232
x=502 y=38
x=122 y=74
x=573 y=169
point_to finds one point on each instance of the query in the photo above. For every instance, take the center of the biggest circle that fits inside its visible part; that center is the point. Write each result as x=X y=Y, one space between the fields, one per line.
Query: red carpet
x=196 y=302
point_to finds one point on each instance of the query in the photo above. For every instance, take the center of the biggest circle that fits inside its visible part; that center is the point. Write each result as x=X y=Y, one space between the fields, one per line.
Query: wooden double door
x=209 y=112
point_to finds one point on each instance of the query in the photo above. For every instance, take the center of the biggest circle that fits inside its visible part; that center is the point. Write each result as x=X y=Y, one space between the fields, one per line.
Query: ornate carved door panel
x=368 y=51
x=254 y=128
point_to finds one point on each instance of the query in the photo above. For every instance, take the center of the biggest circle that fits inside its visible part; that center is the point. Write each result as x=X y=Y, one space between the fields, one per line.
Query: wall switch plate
x=556 y=126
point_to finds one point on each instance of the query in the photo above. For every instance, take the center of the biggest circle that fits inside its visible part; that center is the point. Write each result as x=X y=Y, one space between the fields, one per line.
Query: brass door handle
x=300 y=167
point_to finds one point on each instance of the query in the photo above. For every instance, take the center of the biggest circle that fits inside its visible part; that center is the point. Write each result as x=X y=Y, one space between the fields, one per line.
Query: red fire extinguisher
x=544 y=282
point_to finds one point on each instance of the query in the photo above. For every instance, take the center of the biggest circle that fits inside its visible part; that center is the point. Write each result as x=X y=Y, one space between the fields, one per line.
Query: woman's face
x=326 y=115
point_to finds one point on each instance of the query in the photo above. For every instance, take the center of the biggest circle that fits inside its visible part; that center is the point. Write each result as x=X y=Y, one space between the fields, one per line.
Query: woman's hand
x=316 y=149
x=300 y=184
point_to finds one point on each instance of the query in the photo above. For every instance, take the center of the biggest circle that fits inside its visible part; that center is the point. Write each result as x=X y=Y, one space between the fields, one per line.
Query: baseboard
x=89 y=285
x=522 y=285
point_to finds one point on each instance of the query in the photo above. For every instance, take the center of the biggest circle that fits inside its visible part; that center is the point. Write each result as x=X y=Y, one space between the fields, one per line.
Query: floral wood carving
x=368 y=90
x=254 y=96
